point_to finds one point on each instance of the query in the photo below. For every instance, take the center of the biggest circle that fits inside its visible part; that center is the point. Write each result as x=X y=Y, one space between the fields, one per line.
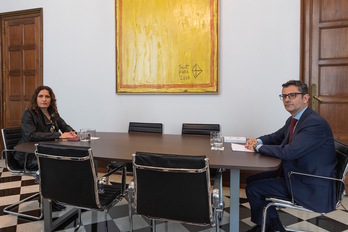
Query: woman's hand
x=68 y=135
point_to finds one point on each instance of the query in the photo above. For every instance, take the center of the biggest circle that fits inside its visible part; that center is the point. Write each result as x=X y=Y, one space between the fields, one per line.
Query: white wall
x=259 y=50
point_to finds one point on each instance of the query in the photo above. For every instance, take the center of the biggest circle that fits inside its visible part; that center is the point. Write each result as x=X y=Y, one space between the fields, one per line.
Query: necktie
x=292 y=126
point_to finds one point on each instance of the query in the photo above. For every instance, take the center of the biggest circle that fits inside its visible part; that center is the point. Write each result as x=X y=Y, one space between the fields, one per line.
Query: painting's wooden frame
x=140 y=33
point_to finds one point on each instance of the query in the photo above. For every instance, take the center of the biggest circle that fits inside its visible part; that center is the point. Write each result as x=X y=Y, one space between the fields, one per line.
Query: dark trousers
x=31 y=160
x=260 y=186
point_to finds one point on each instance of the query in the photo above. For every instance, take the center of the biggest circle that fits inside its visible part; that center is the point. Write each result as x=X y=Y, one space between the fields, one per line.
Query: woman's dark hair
x=52 y=109
x=302 y=87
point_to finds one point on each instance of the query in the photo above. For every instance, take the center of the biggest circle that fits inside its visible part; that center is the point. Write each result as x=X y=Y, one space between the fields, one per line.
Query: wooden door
x=324 y=60
x=21 y=58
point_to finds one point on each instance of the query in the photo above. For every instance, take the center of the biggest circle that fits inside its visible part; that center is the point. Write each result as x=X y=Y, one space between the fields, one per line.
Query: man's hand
x=250 y=144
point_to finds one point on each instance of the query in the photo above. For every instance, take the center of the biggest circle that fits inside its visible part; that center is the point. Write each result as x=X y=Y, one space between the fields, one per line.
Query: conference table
x=119 y=146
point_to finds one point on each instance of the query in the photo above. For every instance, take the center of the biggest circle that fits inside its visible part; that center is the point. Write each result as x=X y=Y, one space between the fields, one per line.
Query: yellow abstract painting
x=167 y=46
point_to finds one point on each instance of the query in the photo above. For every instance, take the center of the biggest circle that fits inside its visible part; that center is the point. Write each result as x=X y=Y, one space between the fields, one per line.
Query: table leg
x=234 y=199
x=50 y=225
x=47 y=211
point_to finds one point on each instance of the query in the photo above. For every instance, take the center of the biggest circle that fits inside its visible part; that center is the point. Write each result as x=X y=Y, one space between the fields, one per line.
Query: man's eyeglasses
x=290 y=96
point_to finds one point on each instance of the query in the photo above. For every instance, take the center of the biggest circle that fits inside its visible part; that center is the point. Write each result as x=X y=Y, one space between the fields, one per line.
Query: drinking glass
x=85 y=135
x=93 y=133
x=216 y=140
x=212 y=134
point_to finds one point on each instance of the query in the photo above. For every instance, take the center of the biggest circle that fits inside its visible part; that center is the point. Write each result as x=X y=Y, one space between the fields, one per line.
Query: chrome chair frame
x=291 y=203
x=11 y=136
x=99 y=184
x=215 y=195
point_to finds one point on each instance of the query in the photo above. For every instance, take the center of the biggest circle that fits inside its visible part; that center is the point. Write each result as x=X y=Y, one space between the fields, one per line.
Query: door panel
x=334 y=77
x=22 y=62
x=333 y=43
x=335 y=113
x=334 y=10
x=324 y=60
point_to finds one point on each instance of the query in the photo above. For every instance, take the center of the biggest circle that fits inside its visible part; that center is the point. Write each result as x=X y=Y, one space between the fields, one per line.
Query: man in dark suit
x=308 y=148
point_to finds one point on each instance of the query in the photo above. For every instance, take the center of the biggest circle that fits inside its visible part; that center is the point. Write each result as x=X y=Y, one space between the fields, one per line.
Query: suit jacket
x=311 y=150
x=36 y=126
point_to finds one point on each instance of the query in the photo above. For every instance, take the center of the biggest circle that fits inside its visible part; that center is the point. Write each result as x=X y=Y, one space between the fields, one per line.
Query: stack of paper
x=234 y=139
x=239 y=147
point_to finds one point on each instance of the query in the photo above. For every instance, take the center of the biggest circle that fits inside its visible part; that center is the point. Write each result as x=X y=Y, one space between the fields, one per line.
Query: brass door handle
x=318 y=99
x=315 y=100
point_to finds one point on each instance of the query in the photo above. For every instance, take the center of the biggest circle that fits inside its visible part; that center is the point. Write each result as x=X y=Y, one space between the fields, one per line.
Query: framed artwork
x=167 y=46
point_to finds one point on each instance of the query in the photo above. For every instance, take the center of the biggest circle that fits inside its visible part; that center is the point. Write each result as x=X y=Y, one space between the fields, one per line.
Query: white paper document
x=239 y=147
x=234 y=139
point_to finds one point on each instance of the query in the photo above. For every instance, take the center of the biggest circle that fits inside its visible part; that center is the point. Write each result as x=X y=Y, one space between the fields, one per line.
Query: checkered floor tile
x=15 y=188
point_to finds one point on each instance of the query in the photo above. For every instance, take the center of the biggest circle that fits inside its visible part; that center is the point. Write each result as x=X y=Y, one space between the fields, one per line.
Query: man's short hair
x=302 y=87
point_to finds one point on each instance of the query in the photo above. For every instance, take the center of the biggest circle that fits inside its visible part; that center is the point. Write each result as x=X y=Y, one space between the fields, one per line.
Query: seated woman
x=42 y=122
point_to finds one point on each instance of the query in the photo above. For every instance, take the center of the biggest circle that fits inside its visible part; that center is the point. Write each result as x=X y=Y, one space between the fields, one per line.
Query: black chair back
x=68 y=174
x=199 y=129
x=341 y=168
x=11 y=137
x=172 y=187
x=145 y=127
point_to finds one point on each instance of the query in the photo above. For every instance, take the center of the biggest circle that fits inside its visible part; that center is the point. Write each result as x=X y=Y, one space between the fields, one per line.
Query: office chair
x=341 y=171
x=11 y=137
x=145 y=127
x=175 y=188
x=199 y=129
x=202 y=129
x=68 y=175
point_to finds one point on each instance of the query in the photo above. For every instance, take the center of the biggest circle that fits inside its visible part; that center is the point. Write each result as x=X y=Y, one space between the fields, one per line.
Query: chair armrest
x=114 y=167
x=10 y=162
x=285 y=203
x=111 y=169
x=311 y=175
x=292 y=173
x=3 y=154
x=6 y=150
x=279 y=200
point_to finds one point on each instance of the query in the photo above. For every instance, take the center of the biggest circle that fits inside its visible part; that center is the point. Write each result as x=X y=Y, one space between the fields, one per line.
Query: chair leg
x=217 y=220
x=166 y=226
x=264 y=217
x=49 y=223
x=153 y=225
x=10 y=207
x=79 y=220
x=106 y=221
x=130 y=213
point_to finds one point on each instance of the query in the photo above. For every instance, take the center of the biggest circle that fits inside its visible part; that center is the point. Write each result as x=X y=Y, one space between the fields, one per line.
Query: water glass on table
x=85 y=135
x=216 y=141
x=93 y=133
